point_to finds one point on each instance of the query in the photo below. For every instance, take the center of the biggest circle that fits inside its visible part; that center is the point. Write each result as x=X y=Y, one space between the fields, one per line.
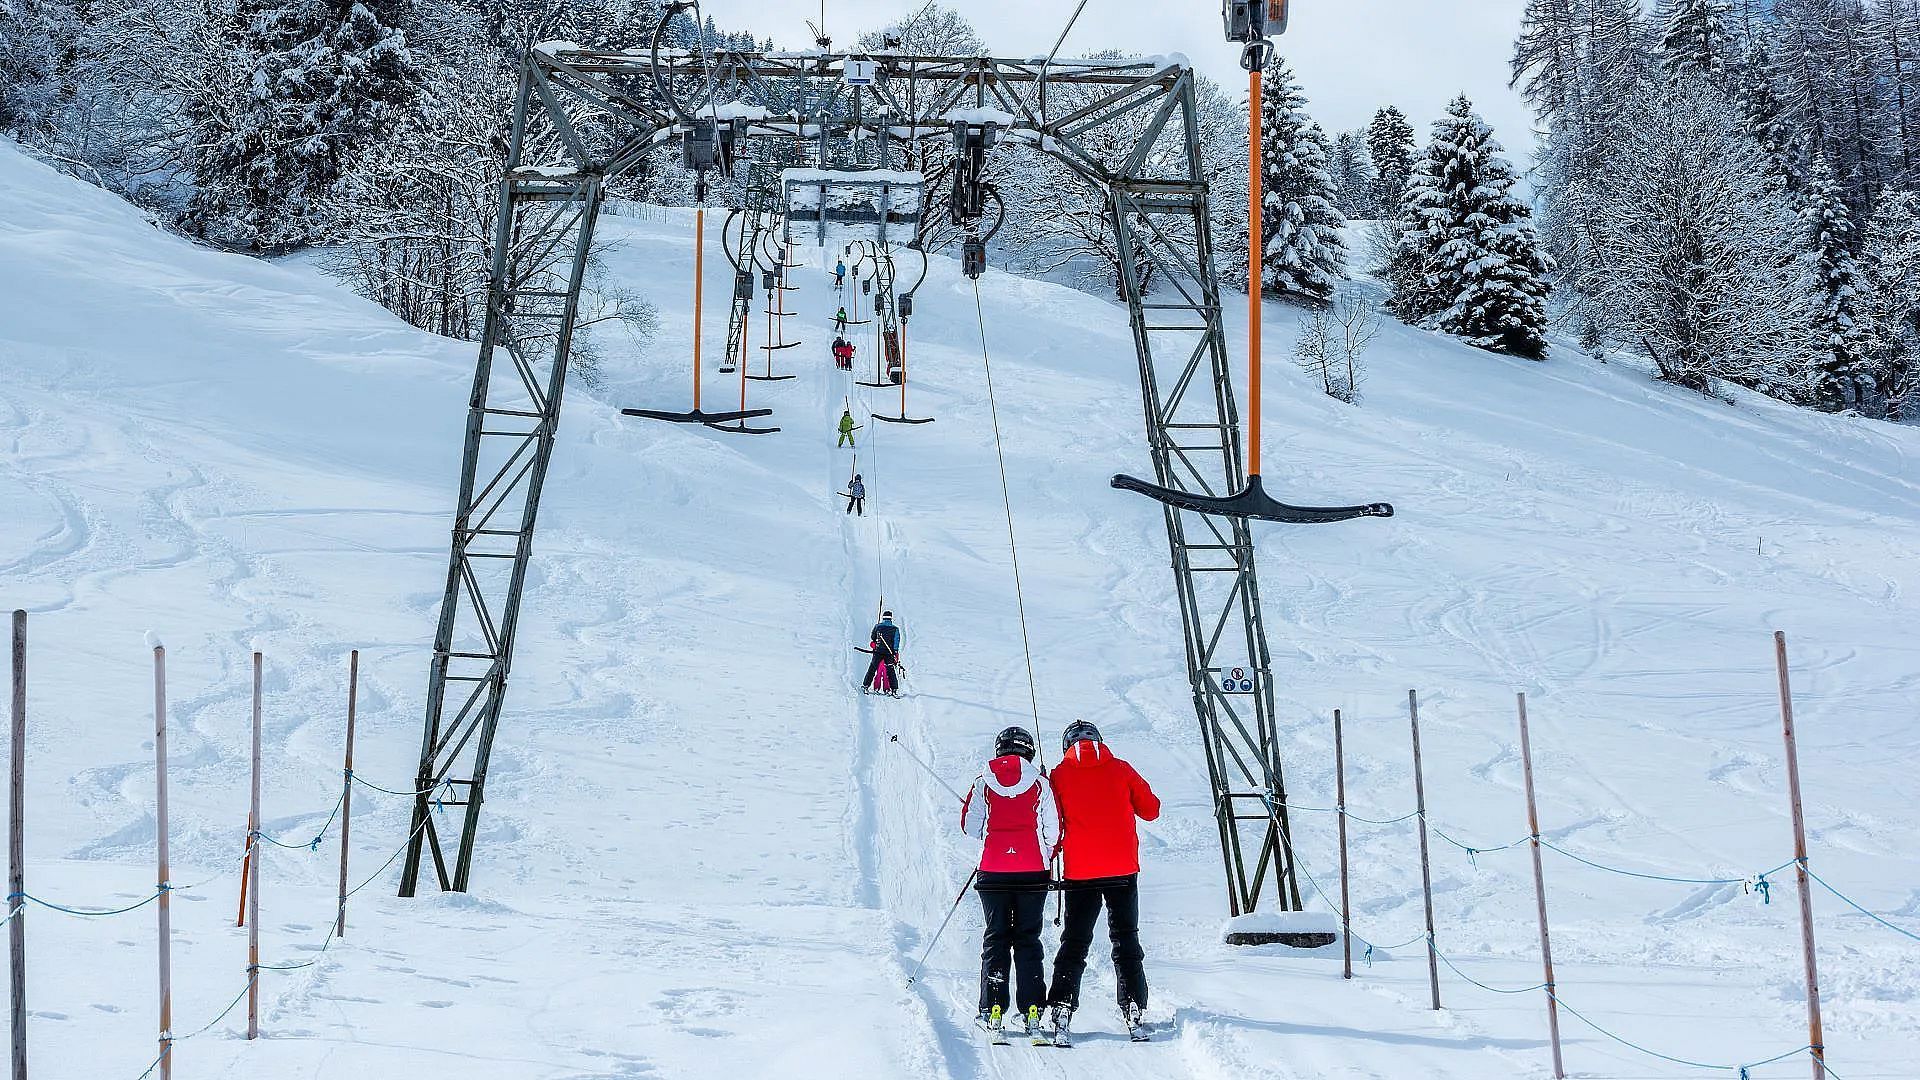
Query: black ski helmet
x=886 y=614
x=1079 y=731
x=1013 y=740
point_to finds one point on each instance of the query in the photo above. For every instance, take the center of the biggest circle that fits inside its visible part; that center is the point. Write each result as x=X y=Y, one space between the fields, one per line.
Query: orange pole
x=699 y=280
x=1253 y=273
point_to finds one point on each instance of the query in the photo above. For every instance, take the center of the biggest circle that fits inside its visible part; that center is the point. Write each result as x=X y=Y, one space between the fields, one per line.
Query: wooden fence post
x=1816 y=1037
x=253 y=897
x=1426 y=873
x=1340 y=806
x=346 y=791
x=163 y=904
x=17 y=851
x=1540 y=892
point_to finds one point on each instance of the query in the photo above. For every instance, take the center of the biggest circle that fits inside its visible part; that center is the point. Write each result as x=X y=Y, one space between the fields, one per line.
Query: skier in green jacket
x=846 y=429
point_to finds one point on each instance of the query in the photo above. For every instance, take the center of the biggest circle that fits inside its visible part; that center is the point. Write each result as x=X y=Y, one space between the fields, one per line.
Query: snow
x=702 y=856
x=998 y=117
x=740 y=110
x=841 y=176
x=554 y=48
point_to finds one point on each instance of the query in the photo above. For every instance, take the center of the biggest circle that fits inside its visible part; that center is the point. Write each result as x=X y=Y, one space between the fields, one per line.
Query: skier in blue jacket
x=885 y=641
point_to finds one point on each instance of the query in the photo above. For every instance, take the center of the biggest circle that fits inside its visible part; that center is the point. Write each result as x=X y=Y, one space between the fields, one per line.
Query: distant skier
x=884 y=642
x=843 y=354
x=1011 y=809
x=847 y=428
x=839 y=273
x=857 y=496
x=840 y=321
x=1099 y=796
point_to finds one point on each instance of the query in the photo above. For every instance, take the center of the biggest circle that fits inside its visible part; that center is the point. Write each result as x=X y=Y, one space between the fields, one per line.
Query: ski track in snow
x=701 y=853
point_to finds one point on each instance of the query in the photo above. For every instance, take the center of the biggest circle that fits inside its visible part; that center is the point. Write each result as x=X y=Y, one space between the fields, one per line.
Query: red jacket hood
x=1009 y=769
x=1087 y=752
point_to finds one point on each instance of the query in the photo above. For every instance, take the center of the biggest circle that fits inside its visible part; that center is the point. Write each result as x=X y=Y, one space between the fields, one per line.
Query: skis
x=995 y=1027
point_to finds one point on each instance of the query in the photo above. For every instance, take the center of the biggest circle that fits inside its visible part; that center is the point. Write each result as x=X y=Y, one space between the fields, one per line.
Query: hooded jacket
x=1010 y=808
x=1100 y=796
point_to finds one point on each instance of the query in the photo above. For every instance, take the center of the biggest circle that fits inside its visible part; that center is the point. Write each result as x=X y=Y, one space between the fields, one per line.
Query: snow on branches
x=1304 y=252
x=1469 y=263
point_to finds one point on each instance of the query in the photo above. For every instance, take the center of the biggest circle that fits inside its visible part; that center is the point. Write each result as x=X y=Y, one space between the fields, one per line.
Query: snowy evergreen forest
x=1727 y=187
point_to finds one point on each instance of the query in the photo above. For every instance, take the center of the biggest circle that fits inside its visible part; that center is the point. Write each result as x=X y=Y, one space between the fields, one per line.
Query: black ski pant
x=857 y=504
x=1121 y=898
x=1014 y=905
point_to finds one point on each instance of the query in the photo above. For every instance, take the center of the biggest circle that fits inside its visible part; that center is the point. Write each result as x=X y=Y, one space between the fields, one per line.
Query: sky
x=1352 y=56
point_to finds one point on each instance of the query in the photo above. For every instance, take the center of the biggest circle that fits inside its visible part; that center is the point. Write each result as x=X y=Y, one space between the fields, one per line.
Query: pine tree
x=1472 y=266
x=1840 y=368
x=328 y=78
x=1353 y=175
x=1304 y=252
x=1390 y=144
x=1696 y=39
x=1766 y=121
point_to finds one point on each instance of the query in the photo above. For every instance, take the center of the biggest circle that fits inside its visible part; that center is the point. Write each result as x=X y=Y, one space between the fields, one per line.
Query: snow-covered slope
x=703 y=855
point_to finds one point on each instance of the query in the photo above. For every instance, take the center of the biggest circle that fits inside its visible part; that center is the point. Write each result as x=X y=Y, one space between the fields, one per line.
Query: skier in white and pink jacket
x=1010 y=809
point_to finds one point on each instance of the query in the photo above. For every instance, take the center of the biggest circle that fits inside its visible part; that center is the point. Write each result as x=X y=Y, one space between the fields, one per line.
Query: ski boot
x=1036 y=1031
x=1062 y=1026
x=1136 y=1018
x=994 y=1024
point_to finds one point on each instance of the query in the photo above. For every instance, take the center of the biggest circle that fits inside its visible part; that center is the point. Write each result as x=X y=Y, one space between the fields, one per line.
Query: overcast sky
x=1352 y=56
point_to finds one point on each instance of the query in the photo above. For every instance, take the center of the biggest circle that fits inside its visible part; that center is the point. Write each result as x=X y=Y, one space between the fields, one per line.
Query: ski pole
x=921 y=966
x=895 y=739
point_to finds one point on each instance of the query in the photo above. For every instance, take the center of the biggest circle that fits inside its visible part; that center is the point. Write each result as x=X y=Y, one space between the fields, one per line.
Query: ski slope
x=704 y=856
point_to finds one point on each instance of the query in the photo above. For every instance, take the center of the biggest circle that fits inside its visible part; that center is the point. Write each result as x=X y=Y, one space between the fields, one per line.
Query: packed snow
x=703 y=854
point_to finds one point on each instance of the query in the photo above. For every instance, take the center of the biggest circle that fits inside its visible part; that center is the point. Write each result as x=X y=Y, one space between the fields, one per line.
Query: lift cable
x=1006 y=498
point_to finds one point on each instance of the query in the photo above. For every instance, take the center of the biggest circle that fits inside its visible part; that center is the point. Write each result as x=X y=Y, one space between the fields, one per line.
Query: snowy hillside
x=702 y=855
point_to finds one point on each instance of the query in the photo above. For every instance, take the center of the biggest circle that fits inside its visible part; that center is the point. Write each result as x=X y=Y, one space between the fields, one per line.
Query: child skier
x=843 y=354
x=1010 y=807
x=884 y=642
x=840 y=321
x=857 y=496
x=839 y=273
x=847 y=427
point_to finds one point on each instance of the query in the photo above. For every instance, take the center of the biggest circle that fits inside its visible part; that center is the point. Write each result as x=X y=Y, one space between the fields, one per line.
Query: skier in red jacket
x=1100 y=796
x=1011 y=809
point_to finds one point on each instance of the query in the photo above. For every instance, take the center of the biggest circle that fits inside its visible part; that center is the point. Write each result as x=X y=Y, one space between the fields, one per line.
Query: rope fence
x=334 y=824
x=1760 y=883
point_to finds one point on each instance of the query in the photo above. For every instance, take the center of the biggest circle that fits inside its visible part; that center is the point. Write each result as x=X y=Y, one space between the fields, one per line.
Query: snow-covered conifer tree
x=1305 y=251
x=1472 y=265
x=1839 y=372
x=1391 y=147
x=1767 y=124
x=327 y=79
x=1353 y=175
x=1696 y=40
